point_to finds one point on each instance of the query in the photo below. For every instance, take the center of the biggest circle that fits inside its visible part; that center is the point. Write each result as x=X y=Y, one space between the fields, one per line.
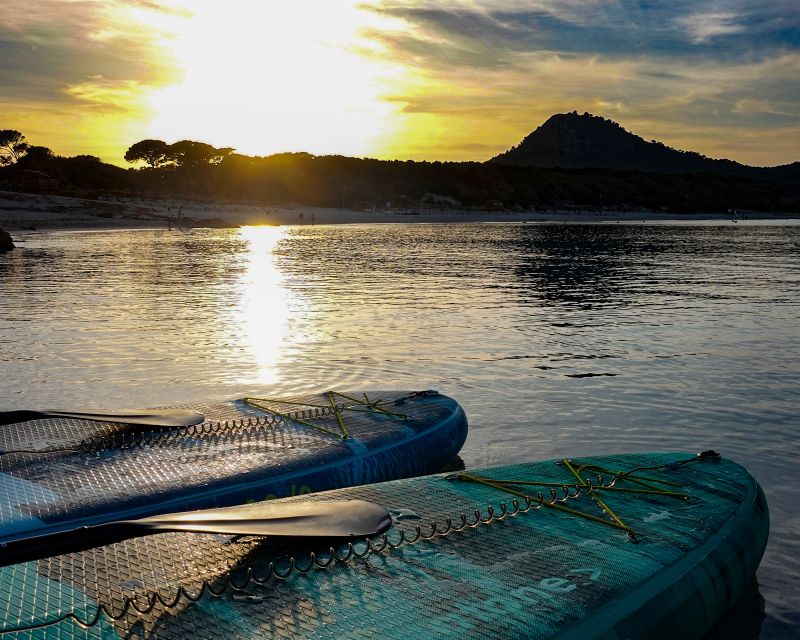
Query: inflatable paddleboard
x=59 y=473
x=660 y=546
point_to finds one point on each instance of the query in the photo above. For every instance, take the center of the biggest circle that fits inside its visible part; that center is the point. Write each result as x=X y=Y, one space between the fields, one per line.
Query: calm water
x=559 y=340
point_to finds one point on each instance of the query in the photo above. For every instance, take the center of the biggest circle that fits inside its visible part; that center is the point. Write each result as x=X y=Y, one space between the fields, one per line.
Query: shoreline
x=22 y=212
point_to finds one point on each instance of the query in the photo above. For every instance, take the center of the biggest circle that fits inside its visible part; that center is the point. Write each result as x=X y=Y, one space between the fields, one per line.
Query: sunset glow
x=408 y=79
x=274 y=81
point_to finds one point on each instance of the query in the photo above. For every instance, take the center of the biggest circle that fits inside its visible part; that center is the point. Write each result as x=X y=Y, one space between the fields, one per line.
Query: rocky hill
x=573 y=141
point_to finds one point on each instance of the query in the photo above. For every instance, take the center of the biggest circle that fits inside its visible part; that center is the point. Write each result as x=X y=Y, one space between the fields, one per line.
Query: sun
x=268 y=77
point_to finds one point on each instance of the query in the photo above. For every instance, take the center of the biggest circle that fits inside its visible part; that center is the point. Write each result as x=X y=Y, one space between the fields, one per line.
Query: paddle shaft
x=70 y=541
x=169 y=418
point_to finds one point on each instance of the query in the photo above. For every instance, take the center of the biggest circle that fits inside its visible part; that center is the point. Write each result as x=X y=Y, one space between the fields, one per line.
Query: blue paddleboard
x=60 y=473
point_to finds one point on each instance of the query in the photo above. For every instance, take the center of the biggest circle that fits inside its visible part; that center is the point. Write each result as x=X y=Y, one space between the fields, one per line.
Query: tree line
x=196 y=170
x=14 y=149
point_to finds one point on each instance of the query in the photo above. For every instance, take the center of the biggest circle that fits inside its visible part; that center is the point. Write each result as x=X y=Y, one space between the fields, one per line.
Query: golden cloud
x=126 y=95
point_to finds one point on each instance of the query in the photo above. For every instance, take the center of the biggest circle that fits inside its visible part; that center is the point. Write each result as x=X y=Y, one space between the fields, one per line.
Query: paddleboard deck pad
x=60 y=473
x=668 y=554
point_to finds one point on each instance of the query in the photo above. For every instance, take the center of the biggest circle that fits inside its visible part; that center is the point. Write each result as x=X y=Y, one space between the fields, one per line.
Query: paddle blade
x=340 y=519
x=169 y=418
x=23 y=415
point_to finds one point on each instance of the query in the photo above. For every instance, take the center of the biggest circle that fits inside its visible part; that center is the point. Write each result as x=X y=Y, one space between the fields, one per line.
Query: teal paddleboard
x=660 y=546
x=58 y=473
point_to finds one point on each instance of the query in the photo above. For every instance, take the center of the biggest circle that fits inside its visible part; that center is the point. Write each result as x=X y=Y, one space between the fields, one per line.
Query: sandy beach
x=31 y=212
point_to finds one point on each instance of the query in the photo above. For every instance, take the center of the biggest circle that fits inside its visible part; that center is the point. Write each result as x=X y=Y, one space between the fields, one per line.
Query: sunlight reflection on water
x=264 y=305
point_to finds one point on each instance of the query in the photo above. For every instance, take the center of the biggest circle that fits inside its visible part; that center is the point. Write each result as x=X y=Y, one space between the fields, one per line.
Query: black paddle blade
x=13 y=417
x=168 y=418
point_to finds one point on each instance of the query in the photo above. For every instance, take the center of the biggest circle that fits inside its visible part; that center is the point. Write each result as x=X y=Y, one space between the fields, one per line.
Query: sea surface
x=558 y=339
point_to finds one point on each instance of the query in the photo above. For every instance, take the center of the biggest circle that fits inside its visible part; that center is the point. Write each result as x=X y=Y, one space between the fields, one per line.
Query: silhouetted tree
x=86 y=159
x=37 y=153
x=36 y=157
x=189 y=153
x=155 y=153
x=220 y=154
x=12 y=146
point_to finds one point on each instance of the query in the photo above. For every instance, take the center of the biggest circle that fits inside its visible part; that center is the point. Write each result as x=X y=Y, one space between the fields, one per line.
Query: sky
x=406 y=79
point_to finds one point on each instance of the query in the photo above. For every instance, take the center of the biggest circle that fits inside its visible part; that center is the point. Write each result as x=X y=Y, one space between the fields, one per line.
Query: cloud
x=104 y=94
x=709 y=107
x=498 y=68
x=453 y=32
x=58 y=44
x=702 y=27
x=82 y=69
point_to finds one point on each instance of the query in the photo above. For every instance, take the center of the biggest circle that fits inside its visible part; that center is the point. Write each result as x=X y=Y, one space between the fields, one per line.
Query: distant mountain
x=573 y=141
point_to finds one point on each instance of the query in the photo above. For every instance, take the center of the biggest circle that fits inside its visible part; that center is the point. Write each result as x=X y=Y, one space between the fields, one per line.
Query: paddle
x=146 y=417
x=340 y=519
